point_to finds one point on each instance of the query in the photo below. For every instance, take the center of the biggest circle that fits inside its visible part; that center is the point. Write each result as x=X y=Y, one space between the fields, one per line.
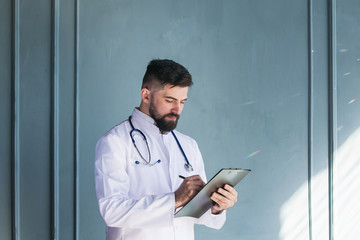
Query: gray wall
x=276 y=90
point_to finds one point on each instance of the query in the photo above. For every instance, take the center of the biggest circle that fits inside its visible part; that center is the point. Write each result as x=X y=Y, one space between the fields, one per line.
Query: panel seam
x=310 y=111
x=55 y=119
x=76 y=121
x=332 y=110
x=15 y=120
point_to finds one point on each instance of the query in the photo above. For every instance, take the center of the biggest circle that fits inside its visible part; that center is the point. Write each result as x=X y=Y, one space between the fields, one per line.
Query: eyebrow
x=175 y=98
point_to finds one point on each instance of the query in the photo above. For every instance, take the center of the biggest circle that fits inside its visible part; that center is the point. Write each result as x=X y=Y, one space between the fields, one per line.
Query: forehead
x=177 y=92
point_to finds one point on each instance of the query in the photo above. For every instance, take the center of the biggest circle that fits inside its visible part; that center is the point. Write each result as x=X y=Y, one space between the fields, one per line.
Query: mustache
x=173 y=115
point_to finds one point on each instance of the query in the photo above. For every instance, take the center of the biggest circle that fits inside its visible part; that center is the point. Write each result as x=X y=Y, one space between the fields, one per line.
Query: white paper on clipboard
x=201 y=202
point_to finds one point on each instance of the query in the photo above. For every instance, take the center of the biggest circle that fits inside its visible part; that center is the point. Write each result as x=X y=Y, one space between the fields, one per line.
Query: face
x=166 y=106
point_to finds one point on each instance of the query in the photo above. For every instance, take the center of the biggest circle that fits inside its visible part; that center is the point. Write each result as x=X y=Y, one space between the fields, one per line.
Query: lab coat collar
x=139 y=114
x=149 y=121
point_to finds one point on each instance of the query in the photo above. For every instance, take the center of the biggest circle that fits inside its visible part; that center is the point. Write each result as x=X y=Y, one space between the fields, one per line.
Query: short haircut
x=165 y=71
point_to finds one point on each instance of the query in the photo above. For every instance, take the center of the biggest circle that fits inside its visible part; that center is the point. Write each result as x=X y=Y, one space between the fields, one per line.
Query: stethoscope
x=187 y=165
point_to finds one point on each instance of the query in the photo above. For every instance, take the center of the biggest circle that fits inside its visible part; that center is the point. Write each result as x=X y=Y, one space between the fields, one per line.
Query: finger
x=193 y=184
x=223 y=202
x=192 y=187
x=197 y=188
x=226 y=193
x=221 y=205
x=195 y=178
x=194 y=181
x=231 y=189
x=224 y=205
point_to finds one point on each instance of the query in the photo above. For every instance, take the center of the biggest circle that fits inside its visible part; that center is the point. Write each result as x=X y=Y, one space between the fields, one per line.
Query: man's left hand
x=224 y=198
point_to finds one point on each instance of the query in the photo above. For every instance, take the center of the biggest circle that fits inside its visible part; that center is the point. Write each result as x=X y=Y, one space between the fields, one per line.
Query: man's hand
x=190 y=186
x=224 y=198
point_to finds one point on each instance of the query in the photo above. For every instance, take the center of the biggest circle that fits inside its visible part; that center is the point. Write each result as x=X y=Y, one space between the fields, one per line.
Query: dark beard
x=161 y=122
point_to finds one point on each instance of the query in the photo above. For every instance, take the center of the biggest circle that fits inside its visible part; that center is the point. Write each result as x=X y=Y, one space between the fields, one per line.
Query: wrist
x=177 y=201
x=216 y=210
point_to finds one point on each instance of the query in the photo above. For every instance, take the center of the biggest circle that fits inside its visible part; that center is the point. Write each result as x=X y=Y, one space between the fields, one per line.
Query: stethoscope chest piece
x=188 y=167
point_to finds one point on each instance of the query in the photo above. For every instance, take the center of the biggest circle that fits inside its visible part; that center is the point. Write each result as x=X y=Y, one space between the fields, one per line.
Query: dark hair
x=166 y=71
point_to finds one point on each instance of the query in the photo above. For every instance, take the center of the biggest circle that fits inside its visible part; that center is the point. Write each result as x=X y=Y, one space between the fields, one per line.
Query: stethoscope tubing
x=188 y=166
x=181 y=149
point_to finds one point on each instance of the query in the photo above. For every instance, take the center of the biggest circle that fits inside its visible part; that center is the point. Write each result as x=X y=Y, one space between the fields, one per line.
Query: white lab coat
x=137 y=201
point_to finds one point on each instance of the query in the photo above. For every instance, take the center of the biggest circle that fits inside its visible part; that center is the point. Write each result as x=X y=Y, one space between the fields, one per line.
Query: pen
x=181 y=177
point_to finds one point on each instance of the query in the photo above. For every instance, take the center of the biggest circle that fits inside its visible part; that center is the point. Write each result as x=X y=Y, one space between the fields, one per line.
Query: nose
x=177 y=108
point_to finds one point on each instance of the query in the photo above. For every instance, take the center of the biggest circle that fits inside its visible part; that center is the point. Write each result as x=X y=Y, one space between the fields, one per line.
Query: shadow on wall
x=294 y=221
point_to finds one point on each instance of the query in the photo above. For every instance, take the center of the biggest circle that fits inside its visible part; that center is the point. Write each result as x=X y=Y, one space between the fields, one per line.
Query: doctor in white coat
x=138 y=163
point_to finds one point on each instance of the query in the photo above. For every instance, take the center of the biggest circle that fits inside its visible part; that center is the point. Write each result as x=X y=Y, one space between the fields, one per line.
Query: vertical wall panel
x=319 y=164
x=66 y=94
x=5 y=121
x=249 y=101
x=347 y=162
x=34 y=96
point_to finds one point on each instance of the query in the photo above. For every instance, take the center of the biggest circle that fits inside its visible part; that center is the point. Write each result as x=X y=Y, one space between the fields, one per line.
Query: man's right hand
x=188 y=189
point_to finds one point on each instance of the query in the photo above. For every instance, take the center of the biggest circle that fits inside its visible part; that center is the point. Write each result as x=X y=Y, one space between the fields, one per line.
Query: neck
x=144 y=108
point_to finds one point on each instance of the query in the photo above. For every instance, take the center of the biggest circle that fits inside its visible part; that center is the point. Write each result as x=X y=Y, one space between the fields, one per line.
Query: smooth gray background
x=276 y=89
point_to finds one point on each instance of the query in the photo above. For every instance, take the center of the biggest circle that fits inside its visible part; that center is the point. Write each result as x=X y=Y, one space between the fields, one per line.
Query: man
x=138 y=163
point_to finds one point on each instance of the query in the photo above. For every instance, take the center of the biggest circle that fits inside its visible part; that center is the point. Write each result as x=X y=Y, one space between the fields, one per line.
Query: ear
x=145 y=95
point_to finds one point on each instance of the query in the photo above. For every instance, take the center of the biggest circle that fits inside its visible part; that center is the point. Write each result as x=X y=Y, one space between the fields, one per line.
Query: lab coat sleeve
x=208 y=219
x=212 y=220
x=112 y=188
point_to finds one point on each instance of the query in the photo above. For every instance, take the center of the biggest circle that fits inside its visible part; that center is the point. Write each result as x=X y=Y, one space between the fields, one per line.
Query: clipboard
x=201 y=202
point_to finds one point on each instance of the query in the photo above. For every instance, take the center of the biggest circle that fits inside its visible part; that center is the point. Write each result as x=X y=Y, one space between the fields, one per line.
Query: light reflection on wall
x=294 y=212
x=347 y=189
